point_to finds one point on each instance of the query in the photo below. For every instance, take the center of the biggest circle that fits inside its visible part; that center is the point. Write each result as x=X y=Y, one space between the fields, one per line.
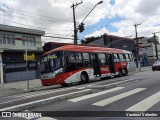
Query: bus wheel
x=125 y=72
x=120 y=72
x=64 y=85
x=84 y=78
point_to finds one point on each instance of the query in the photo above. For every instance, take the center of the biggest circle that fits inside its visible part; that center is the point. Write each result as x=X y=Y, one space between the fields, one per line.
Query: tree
x=91 y=39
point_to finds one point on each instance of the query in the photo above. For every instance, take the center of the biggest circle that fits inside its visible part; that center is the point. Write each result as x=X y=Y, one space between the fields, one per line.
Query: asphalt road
x=143 y=94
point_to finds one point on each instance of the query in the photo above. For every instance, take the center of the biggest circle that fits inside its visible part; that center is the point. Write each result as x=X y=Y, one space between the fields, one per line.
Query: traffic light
x=81 y=27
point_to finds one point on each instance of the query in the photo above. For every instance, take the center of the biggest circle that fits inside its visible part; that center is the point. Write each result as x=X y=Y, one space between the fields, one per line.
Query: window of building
x=1 y=38
x=4 y=39
x=7 y=39
x=30 y=41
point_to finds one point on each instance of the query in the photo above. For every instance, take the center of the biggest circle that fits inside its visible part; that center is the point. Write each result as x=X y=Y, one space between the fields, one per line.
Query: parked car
x=156 y=65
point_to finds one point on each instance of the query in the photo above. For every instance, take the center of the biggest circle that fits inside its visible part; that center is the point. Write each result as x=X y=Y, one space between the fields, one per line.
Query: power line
x=66 y=35
x=39 y=15
x=33 y=26
x=50 y=20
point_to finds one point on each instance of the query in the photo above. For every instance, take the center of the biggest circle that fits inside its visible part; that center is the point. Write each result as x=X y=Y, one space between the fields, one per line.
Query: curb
x=45 y=101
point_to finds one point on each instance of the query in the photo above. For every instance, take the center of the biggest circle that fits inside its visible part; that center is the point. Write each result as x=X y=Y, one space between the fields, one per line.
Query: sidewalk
x=143 y=69
x=19 y=87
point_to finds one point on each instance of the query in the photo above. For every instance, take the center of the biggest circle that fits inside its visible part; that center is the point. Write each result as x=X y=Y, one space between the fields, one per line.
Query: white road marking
x=94 y=94
x=35 y=94
x=38 y=101
x=46 y=118
x=117 y=97
x=146 y=103
x=128 y=82
x=119 y=82
x=80 y=88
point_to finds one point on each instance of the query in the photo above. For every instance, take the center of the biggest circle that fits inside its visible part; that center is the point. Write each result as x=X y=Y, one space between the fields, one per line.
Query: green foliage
x=91 y=39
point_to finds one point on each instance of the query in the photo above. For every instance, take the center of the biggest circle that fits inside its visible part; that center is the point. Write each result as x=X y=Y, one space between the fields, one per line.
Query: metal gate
x=17 y=72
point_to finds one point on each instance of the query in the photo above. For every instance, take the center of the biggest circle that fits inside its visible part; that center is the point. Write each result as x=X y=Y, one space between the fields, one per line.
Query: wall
x=18 y=42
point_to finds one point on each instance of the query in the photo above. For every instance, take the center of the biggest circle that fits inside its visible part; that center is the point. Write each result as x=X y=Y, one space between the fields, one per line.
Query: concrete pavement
x=143 y=69
x=14 y=88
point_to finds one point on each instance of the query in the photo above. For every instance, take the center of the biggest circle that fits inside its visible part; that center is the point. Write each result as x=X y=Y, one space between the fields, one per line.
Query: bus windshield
x=50 y=63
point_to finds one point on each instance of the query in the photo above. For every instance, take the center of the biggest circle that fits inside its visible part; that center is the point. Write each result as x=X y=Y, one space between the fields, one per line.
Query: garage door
x=17 y=72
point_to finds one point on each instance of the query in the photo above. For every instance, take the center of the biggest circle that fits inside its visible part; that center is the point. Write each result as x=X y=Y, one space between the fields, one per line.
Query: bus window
x=121 y=57
x=131 y=57
x=70 y=61
x=51 y=63
x=115 y=57
x=45 y=65
x=55 y=61
x=79 y=62
x=127 y=57
x=102 y=58
x=86 y=59
x=108 y=59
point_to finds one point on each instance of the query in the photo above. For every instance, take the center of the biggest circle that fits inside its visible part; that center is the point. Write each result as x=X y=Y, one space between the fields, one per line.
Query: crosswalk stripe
x=94 y=94
x=118 y=97
x=46 y=118
x=146 y=103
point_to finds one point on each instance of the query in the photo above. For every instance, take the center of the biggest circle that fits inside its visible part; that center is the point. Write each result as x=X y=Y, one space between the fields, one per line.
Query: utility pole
x=155 y=42
x=74 y=21
x=137 y=49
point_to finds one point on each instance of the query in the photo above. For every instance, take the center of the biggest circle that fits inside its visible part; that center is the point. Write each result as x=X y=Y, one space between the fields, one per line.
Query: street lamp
x=4 y=13
x=100 y=2
x=74 y=20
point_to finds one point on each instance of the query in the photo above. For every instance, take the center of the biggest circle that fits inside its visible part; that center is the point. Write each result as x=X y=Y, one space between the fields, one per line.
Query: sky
x=55 y=17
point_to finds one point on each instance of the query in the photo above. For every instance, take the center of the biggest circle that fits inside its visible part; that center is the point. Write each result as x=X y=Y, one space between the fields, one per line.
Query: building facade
x=146 y=46
x=17 y=44
x=115 y=42
x=147 y=50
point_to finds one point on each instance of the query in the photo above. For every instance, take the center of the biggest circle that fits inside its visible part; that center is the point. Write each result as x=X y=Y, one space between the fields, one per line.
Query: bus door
x=129 y=61
x=95 y=64
x=111 y=62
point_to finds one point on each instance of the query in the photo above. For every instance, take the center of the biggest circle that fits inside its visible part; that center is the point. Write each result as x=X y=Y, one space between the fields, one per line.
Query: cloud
x=56 y=16
x=53 y=16
x=148 y=7
x=98 y=33
x=146 y=12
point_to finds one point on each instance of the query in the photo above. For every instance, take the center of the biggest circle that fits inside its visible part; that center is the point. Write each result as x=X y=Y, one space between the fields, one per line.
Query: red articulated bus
x=79 y=64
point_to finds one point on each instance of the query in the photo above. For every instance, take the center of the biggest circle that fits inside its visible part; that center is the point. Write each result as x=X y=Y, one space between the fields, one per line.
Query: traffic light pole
x=81 y=25
x=75 y=28
x=74 y=21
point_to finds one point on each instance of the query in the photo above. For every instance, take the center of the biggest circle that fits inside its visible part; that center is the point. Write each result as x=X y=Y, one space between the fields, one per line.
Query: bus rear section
x=67 y=67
